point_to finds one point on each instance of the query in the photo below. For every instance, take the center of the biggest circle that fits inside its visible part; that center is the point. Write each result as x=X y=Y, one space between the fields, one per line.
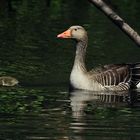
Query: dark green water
x=41 y=106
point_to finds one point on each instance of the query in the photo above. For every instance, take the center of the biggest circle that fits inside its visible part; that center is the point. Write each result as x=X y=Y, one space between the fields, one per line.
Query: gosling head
x=75 y=32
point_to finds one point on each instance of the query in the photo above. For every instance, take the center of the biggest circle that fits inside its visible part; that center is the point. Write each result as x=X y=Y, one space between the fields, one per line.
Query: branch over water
x=117 y=20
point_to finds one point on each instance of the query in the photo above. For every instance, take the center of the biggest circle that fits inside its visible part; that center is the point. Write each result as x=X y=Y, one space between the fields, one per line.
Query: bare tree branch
x=117 y=20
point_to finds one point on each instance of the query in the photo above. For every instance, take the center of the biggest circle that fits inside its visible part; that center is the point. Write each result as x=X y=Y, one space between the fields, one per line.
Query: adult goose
x=113 y=77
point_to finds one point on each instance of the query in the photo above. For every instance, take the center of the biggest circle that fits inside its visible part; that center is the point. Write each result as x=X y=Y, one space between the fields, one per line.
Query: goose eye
x=75 y=29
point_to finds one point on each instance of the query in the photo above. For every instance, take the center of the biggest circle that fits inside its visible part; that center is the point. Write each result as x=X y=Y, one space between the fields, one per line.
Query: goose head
x=75 y=32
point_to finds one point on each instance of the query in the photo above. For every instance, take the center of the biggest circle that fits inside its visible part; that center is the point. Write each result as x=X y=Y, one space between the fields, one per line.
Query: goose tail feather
x=135 y=73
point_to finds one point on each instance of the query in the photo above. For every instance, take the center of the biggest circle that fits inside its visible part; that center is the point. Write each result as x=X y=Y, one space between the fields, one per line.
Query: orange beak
x=65 y=34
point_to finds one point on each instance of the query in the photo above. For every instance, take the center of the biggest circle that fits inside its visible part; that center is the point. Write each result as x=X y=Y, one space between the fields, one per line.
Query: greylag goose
x=113 y=77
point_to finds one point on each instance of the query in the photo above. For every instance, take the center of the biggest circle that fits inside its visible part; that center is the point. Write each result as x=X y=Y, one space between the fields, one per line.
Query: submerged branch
x=117 y=20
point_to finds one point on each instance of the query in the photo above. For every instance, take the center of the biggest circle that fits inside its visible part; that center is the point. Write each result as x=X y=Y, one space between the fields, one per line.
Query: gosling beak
x=65 y=34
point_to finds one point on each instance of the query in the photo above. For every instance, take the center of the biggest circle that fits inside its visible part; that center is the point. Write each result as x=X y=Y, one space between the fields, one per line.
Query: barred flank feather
x=112 y=75
x=118 y=77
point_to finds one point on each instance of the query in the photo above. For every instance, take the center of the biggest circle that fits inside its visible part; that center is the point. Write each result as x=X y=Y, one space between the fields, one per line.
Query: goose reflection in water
x=80 y=99
x=95 y=113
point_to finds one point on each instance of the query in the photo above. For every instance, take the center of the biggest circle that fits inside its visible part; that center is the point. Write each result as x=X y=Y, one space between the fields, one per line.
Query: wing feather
x=110 y=75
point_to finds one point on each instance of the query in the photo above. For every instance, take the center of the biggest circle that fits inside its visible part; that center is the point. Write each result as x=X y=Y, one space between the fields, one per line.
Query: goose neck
x=80 y=55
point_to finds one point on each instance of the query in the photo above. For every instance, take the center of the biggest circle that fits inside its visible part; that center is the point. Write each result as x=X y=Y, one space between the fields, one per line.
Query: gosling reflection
x=79 y=100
